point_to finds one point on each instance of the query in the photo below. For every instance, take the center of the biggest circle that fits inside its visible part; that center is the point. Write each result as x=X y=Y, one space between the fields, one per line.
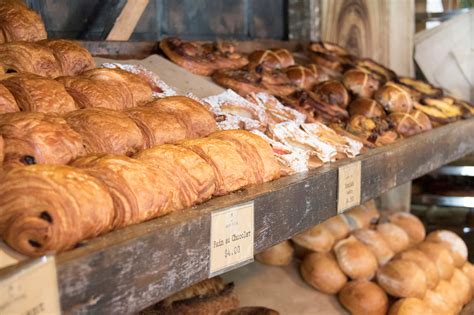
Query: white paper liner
x=276 y=111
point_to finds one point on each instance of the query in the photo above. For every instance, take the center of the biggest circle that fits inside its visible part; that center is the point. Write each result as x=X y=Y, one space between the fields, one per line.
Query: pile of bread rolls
x=382 y=264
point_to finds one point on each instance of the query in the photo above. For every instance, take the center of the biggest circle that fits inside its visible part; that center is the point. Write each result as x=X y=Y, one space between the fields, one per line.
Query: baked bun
x=376 y=69
x=376 y=243
x=280 y=254
x=410 y=306
x=337 y=226
x=410 y=224
x=332 y=92
x=402 y=278
x=321 y=271
x=394 y=98
x=317 y=239
x=360 y=82
x=410 y=124
x=428 y=266
x=363 y=297
x=461 y=284
x=304 y=77
x=441 y=256
x=396 y=238
x=330 y=56
x=367 y=107
x=270 y=59
x=450 y=295
x=468 y=270
x=453 y=242
x=362 y=216
x=438 y=303
x=355 y=259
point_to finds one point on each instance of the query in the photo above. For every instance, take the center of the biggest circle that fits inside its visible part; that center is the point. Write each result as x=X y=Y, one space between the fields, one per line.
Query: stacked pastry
x=54 y=207
x=366 y=263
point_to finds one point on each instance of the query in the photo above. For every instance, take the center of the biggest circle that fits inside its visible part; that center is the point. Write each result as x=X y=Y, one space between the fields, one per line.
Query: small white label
x=8 y=256
x=232 y=238
x=31 y=290
x=348 y=192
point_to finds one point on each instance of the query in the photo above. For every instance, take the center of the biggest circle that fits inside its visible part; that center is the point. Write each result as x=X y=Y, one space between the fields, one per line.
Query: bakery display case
x=140 y=171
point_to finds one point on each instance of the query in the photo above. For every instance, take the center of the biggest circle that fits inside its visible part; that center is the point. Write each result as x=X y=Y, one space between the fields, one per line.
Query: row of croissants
x=365 y=259
x=97 y=193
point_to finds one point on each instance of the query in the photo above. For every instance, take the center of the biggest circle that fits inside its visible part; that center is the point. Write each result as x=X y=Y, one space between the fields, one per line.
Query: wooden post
x=303 y=20
x=127 y=20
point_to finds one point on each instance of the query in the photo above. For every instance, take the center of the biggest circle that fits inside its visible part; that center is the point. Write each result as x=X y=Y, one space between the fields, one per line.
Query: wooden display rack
x=126 y=270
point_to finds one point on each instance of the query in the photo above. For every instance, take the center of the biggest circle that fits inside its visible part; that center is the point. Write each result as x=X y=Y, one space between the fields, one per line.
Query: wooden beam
x=304 y=20
x=127 y=20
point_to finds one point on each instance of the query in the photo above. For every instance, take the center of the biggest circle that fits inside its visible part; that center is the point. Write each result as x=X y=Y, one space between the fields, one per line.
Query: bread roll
x=441 y=256
x=355 y=259
x=376 y=243
x=461 y=284
x=428 y=266
x=317 y=239
x=453 y=242
x=450 y=295
x=410 y=306
x=402 y=278
x=410 y=224
x=322 y=272
x=468 y=270
x=360 y=82
x=280 y=254
x=363 y=216
x=395 y=236
x=438 y=303
x=332 y=92
x=366 y=107
x=394 y=98
x=410 y=123
x=363 y=297
x=337 y=226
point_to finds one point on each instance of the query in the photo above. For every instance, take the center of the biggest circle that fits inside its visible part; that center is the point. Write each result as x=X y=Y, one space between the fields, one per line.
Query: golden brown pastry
x=72 y=57
x=317 y=109
x=424 y=262
x=317 y=239
x=230 y=170
x=191 y=173
x=305 y=77
x=366 y=107
x=420 y=88
x=38 y=94
x=441 y=256
x=360 y=82
x=412 y=123
x=394 y=98
x=396 y=238
x=376 y=69
x=47 y=208
x=202 y=58
x=438 y=303
x=453 y=242
x=450 y=296
x=7 y=101
x=19 y=23
x=410 y=306
x=37 y=138
x=410 y=224
x=28 y=57
x=322 y=272
x=267 y=60
x=330 y=55
x=139 y=191
x=280 y=254
x=241 y=81
x=363 y=216
x=402 y=278
x=363 y=297
x=157 y=127
x=355 y=259
x=337 y=226
x=332 y=92
x=106 y=131
x=256 y=153
x=460 y=282
x=376 y=243
x=198 y=120
x=468 y=270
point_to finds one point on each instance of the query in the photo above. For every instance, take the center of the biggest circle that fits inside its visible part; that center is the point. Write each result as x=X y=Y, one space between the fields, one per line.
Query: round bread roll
x=338 y=226
x=410 y=306
x=363 y=297
x=437 y=303
x=429 y=267
x=461 y=284
x=321 y=271
x=366 y=107
x=402 y=278
x=441 y=256
x=376 y=243
x=362 y=216
x=410 y=224
x=317 y=239
x=355 y=259
x=454 y=243
x=468 y=270
x=450 y=295
x=395 y=236
x=279 y=255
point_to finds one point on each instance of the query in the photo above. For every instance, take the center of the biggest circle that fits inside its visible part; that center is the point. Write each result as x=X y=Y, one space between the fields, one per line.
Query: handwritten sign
x=30 y=290
x=348 y=193
x=232 y=237
x=8 y=256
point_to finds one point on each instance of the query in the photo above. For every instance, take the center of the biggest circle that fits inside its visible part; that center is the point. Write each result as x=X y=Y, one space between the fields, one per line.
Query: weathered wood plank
x=304 y=20
x=127 y=20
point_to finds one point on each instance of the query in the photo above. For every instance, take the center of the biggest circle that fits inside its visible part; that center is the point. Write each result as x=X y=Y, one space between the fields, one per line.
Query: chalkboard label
x=232 y=238
x=31 y=289
x=348 y=192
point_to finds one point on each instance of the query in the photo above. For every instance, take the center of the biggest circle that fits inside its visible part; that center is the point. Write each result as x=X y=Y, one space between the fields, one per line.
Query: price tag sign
x=8 y=256
x=348 y=192
x=31 y=290
x=232 y=238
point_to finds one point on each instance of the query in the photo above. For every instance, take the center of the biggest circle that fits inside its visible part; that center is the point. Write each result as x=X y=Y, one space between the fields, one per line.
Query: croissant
x=394 y=98
x=230 y=169
x=256 y=153
x=332 y=92
x=19 y=23
x=139 y=191
x=28 y=57
x=409 y=124
x=38 y=94
x=157 y=127
x=360 y=82
x=47 y=208
x=191 y=173
x=72 y=57
x=198 y=120
x=106 y=131
x=7 y=101
x=37 y=138
x=366 y=107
